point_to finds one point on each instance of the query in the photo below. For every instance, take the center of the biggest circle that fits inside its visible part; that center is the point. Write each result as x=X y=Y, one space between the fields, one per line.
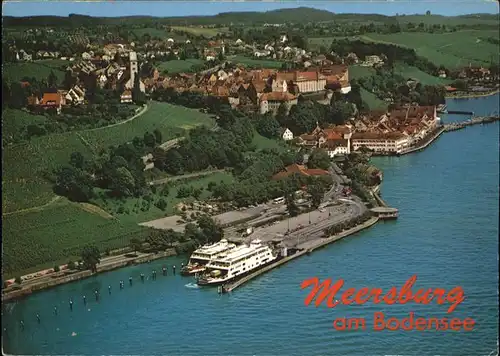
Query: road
x=320 y=220
x=184 y=176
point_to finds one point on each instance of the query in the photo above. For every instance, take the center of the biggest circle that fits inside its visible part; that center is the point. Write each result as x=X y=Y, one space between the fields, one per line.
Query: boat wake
x=192 y=286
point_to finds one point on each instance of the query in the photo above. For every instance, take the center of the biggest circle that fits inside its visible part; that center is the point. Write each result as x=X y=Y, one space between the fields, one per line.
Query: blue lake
x=447 y=235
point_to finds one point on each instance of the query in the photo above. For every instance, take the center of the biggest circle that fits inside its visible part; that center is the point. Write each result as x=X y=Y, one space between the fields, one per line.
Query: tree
x=317 y=192
x=77 y=160
x=137 y=94
x=319 y=159
x=161 y=204
x=69 y=80
x=149 y=139
x=91 y=257
x=210 y=230
x=74 y=184
x=158 y=136
x=52 y=80
x=291 y=206
x=122 y=182
x=267 y=126
x=135 y=244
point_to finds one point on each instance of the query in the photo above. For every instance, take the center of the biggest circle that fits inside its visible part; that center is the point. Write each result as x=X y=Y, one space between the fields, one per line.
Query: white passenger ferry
x=200 y=257
x=236 y=263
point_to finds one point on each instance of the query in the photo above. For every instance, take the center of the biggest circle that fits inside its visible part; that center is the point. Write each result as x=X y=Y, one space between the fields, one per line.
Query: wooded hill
x=295 y=15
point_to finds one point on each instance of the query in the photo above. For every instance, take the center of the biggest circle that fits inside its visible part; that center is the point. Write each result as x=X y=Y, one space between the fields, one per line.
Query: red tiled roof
x=298 y=169
x=335 y=143
x=277 y=96
x=50 y=99
x=331 y=134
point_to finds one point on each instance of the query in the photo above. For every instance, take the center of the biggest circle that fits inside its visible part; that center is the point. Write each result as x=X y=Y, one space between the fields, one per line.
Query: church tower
x=134 y=67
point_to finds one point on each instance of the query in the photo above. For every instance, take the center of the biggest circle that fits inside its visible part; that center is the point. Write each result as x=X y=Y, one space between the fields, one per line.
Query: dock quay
x=383 y=212
x=424 y=144
x=458 y=112
x=306 y=248
x=474 y=121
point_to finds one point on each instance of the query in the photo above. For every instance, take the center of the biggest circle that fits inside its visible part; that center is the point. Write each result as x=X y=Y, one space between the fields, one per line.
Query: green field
x=371 y=99
x=265 y=63
x=38 y=69
x=452 y=50
x=155 y=32
x=357 y=71
x=178 y=65
x=316 y=42
x=262 y=143
x=171 y=120
x=23 y=184
x=415 y=73
x=14 y=122
x=200 y=31
x=448 y=21
x=58 y=233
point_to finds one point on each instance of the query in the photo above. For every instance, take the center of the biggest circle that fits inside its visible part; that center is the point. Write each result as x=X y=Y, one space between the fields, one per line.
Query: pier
x=424 y=144
x=313 y=245
x=474 y=121
x=383 y=212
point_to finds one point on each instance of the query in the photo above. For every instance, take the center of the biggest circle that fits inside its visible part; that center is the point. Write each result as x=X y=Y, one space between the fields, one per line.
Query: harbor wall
x=425 y=144
x=321 y=242
x=76 y=276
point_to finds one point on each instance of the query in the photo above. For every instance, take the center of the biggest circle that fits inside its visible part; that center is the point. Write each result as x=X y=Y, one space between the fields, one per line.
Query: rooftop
x=383 y=209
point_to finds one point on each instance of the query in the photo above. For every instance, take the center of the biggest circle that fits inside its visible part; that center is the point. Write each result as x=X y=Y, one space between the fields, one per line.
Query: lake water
x=447 y=196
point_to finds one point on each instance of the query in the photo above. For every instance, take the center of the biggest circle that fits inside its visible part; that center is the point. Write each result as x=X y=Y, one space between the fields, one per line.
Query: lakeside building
x=395 y=131
x=336 y=140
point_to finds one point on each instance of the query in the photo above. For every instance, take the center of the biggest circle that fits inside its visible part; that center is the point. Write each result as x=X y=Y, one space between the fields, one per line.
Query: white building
x=134 y=70
x=393 y=142
x=287 y=135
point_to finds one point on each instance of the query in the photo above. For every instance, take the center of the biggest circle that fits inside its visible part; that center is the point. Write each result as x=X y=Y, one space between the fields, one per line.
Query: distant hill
x=295 y=15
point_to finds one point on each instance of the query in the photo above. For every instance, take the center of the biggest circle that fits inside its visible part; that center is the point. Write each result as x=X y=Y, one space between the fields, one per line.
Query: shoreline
x=53 y=281
x=322 y=242
x=472 y=95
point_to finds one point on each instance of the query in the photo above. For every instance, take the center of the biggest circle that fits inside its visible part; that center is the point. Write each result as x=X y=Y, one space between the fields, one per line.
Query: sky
x=115 y=8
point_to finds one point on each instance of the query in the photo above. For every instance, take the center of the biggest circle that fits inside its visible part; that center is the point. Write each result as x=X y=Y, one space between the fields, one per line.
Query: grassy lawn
x=263 y=143
x=59 y=232
x=39 y=69
x=14 y=122
x=266 y=63
x=415 y=73
x=199 y=31
x=453 y=50
x=136 y=209
x=178 y=65
x=24 y=164
x=317 y=42
x=168 y=118
x=357 y=71
x=372 y=100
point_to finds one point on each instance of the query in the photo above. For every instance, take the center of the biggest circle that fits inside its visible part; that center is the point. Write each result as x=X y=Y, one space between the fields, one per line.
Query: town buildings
x=300 y=170
x=395 y=131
